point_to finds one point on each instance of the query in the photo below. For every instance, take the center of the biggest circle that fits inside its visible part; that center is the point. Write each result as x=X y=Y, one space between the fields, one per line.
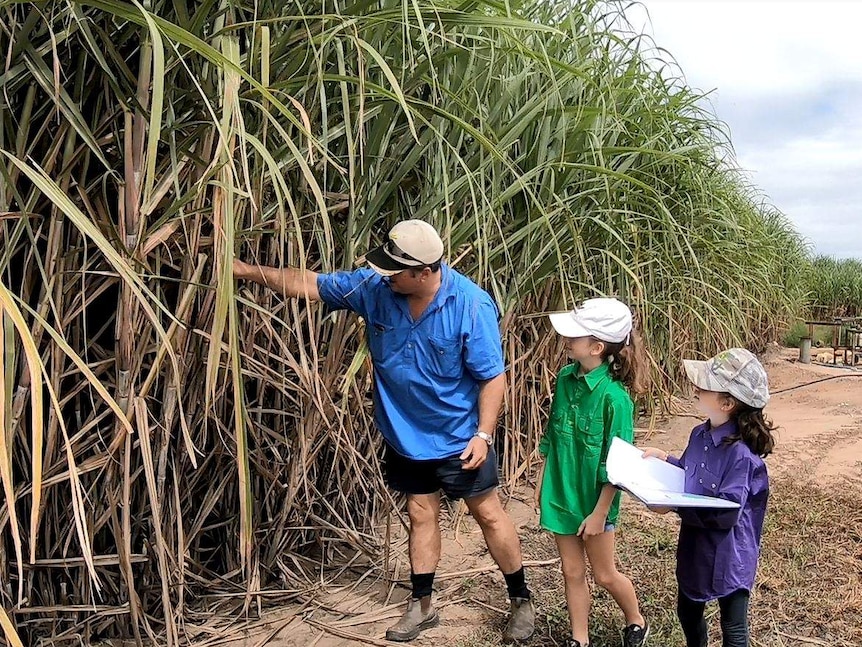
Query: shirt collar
x=444 y=292
x=594 y=377
x=446 y=289
x=447 y=282
x=718 y=434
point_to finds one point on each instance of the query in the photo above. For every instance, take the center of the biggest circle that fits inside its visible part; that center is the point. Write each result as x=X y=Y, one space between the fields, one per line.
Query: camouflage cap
x=735 y=371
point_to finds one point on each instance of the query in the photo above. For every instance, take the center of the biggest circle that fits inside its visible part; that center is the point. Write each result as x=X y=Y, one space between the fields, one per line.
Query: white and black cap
x=411 y=244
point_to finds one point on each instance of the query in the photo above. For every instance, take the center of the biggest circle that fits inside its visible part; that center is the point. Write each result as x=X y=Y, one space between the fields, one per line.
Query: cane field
x=175 y=445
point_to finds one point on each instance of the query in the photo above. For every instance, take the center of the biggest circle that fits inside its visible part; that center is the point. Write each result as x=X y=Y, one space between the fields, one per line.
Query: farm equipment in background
x=846 y=342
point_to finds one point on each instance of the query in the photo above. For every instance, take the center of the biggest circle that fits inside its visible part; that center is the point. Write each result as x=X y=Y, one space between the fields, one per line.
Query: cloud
x=817 y=180
x=810 y=113
x=787 y=80
x=755 y=46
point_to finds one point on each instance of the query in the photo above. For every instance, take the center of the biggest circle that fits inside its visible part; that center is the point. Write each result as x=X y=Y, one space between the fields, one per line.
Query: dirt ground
x=819 y=443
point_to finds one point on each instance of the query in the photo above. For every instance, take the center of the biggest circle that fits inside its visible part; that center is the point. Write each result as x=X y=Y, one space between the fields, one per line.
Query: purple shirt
x=718 y=549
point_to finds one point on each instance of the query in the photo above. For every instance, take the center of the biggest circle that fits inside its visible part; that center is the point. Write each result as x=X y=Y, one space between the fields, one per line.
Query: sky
x=786 y=77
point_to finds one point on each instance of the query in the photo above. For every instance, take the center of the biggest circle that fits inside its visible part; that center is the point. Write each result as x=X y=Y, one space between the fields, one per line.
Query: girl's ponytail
x=627 y=363
x=754 y=429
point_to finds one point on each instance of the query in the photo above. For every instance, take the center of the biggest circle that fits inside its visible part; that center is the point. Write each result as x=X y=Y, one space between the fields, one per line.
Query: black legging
x=734 y=620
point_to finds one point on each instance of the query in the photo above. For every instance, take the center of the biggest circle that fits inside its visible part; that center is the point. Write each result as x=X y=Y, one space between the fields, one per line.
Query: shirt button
x=703 y=464
x=700 y=481
x=706 y=449
x=713 y=485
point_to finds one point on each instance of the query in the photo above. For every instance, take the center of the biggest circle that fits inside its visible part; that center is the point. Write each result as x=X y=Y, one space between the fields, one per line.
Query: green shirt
x=587 y=411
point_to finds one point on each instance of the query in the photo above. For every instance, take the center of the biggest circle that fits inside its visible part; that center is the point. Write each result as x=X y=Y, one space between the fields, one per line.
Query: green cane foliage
x=836 y=287
x=148 y=144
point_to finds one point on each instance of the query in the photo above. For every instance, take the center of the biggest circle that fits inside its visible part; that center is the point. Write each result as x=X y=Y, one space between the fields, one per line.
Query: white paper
x=654 y=481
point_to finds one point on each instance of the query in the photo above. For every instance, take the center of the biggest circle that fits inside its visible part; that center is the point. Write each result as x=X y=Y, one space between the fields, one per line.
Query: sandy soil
x=819 y=440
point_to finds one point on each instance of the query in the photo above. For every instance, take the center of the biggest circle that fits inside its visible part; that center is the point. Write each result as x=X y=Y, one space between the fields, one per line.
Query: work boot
x=522 y=620
x=414 y=620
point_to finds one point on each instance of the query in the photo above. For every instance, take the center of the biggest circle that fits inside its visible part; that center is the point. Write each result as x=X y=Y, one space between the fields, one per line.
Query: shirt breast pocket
x=444 y=357
x=590 y=433
x=559 y=425
x=705 y=481
x=380 y=339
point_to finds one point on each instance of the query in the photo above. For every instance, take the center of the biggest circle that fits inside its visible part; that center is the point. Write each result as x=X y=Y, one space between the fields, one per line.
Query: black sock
x=422 y=584
x=516 y=583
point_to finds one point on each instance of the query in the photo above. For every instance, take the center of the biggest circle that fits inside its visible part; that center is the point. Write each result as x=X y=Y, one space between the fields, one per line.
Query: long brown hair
x=752 y=428
x=627 y=362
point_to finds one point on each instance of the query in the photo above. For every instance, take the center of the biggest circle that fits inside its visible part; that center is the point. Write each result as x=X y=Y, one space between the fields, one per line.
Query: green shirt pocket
x=589 y=434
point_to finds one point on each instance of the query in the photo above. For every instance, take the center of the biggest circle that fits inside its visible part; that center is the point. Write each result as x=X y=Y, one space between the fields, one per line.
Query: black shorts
x=409 y=476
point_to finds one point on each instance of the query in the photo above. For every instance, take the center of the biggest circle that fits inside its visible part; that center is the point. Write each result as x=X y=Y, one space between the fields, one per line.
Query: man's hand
x=474 y=456
x=653 y=452
x=593 y=525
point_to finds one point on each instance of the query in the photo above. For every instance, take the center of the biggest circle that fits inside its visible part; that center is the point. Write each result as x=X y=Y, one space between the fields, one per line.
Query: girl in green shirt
x=591 y=405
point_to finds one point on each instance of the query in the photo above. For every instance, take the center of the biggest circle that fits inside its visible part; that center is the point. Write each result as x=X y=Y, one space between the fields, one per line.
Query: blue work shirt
x=426 y=372
x=718 y=549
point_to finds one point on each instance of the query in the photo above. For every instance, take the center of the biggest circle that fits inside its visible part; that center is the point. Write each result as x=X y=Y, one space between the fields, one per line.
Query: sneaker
x=635 y=635
x=522 y=620
x=413 y=621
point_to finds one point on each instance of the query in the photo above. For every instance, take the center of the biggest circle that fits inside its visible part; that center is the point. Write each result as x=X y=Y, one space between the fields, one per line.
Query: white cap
x=736 y=371
x=410 y=244
x=607 y=319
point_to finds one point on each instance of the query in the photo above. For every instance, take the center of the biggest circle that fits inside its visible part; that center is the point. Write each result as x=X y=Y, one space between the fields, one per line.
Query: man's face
x=406 y=282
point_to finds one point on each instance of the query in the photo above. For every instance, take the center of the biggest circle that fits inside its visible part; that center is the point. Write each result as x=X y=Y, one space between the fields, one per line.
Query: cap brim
x=383 y=263
x=383 y=272
x=565 y=325
x=702 y=377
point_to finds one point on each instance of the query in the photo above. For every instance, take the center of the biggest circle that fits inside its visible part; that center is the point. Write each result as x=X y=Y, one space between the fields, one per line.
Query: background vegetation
x=836 y=287
x=166 y=435
x=834 y=291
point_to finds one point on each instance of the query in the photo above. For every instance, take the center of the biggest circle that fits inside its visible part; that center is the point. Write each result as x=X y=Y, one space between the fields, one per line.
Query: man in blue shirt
x=439 y=383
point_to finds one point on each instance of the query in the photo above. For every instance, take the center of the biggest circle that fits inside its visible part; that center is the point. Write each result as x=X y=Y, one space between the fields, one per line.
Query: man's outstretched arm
x=289 y=281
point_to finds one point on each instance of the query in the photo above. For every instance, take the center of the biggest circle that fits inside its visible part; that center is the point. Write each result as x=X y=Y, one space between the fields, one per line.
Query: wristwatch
x=488 y=438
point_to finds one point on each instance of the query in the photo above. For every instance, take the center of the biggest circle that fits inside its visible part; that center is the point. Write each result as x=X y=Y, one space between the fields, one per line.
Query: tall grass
x=198 y=438
x=835 y=286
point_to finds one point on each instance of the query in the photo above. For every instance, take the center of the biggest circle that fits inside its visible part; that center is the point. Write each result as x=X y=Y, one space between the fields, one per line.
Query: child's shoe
x=635 y=635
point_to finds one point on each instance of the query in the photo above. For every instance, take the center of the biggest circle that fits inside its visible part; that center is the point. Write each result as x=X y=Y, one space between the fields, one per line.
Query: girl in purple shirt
x=718 y=549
